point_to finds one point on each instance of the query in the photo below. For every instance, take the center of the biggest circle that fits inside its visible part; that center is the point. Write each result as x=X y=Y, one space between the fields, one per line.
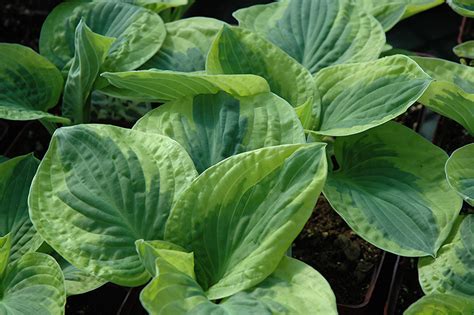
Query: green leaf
x=161 y=86
x=139 y=33
x=452 y=271
x=186 y=45
x=214 y=127
x=240 y=216
x=239 y=51
x=317 y=33
x=5 y=246
x=173 y=254
x=357 y=97
x=417 y=6
x=460 y=172
x=90 y=52
x=99 y=189
x=441 y=304
x=153 y=5
x=3 y=158
x=77 y=281
x=29 y=84
x=294 y=288
x=451 y=94
x=15 y=182
x=33 y=285
x=392 y=191
x=462 y=7
x=465 y=50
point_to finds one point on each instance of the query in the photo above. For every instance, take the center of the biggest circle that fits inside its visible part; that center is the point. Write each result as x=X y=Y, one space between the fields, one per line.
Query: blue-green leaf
x=90 y=52
x=240 y=216
x=186 y=45
x=460 y=172
x=462 y=7
x=239 y=51
x=317 y=33
x=214 y=127
x=392 y=191
x=139 y=33
x=29 y=84
x=15 y=181
x=99 y=189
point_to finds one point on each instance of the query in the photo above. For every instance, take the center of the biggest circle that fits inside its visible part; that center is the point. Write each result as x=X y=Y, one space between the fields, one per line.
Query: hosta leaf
x=452 y=271
x=293 y=288
x=214 y=127
x=34 y=284
x=441 y=304
x=465 y=50
x=452 y=92
x=157 y=85
x=186 y=45
x=239 y=51
x=5 y=246
x=77 y=281
x=393 y=196
x=240 y=216
x=139 y=32
x=389 y=12
x=173 y=254
x=99 y=189
x=90 y=52
x=460 y=172
x=15 y=182
x=462 y=7
x=3 y=158
x=29 y=84
x=357 y=97
x=317 y=33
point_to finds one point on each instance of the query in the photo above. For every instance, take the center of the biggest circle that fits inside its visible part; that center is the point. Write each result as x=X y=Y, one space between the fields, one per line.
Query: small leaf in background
x=214 y=127
x=15 y=181
x=452 y=271
x=462 y=7
x=317 y=33
x=451 y=94
x=460 y=172
x=99 y=189
x=465 y=50
x=357 y=97
x=239 y=51
x=162 y=86
x=90 y=52
x=293 y=288
x=34 y=284
x=391 y=194
x=29 y=84
x=139 y=33
x=240 y=216
x=441 y=304
x=186 y=45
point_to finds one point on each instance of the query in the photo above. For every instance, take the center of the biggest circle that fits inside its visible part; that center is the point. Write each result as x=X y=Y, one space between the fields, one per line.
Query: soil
x=329 y=245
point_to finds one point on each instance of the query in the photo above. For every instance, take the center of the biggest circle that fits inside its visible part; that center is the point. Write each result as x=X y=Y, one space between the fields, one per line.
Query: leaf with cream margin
x=462 y=7
x=213 y=127
x=390 y=194
x=241 y=215
x=186 y=45
x=452 y=271
x=29 y=85
x=99 y=189
x=293 y=288
x=139 y=33
x=317 y=33
x=460 y=172
x=162 y=86
x=357 y=97
x=239 y=51
x=451 y=94
x=15 y=182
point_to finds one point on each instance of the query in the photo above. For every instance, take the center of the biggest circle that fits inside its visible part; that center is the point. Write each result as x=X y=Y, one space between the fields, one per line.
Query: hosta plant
x=202 y=198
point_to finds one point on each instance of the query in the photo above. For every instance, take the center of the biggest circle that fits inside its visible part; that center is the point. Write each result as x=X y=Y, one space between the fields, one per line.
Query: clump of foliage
x=201 y=199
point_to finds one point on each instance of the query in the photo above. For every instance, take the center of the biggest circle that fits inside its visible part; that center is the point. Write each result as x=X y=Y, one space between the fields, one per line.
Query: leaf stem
x=50 y=126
